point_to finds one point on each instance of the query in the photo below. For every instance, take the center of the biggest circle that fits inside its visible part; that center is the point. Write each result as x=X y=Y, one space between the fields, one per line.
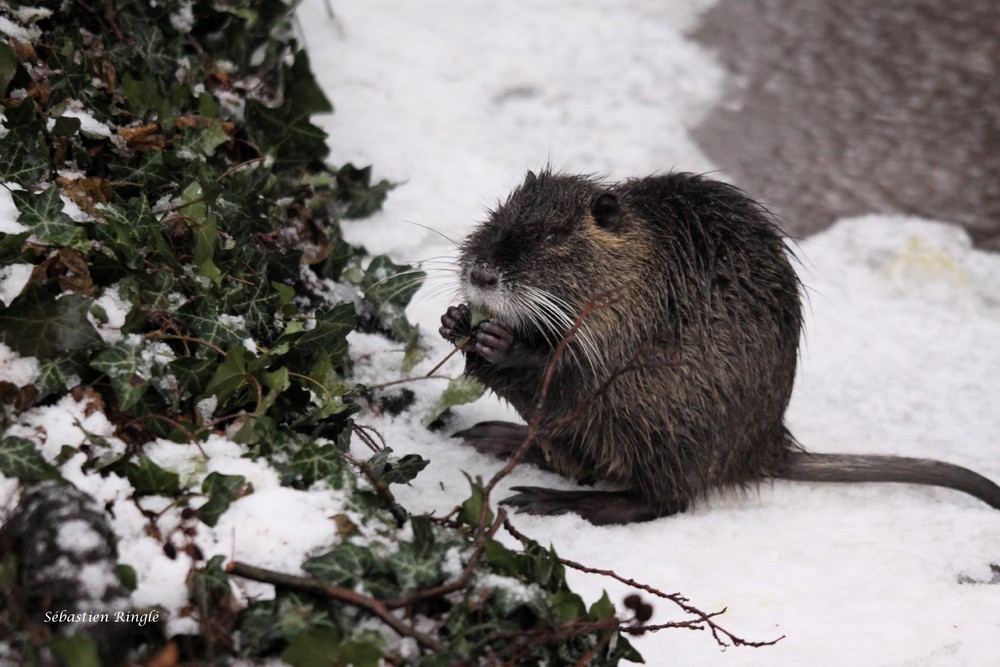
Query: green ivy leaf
x=66 y=126
x=121 y=363
x=150 y=479
x=287 y=133
x=127 y=576
x=463 y=389
x=321 y=647
x=315 y=462
x=343 y=566
x=43 y=215
x=23 y=153
x=355 y=191
x=20 y=459
x=193 y=374
x=230 y=374
x=55 y=374
x=37 y=324
x=142 y=94
x=390 y=287
x=601 y=609
x=8 y=66
x=473 y=506
x=76 y=650
x=396 y=471
x=329 y=336
x=11 y=247
x=302 y=89
x=222 y=491
x=502 y=558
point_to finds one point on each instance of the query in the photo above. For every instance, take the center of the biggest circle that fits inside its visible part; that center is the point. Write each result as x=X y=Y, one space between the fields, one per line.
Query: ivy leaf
x=20 y=459
x=36 y=324
x=121 y=364
x=76 y=650
x=343 y=566
x=193 y=374
x=150 y=479
x=23 y=155
x=222 y=491
x=303 y=90
x=230 y=375
x=601 y=609
x=287 y=133
x=463 y=389
x=205 y=230
x=205 y=320
x=314 y=462
x=322 y=646
x=414 y=571
x=357 y=194
x=395 y=471
x=8 y=66
x=143 y=94
x=43 y=215
x=54 y=375
x=329 y=335
x=473 y=506
x=502 y=558
x=11 y=246
x=390 y=287
x=66 y=126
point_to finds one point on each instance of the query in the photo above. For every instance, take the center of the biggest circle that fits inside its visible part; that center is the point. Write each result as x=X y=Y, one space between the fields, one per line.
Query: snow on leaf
x=43 y=215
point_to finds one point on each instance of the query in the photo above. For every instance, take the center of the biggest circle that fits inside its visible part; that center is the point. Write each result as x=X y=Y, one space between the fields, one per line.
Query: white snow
x=455 y=101
x=19 y=371
x=8 y=210
x=89 y=126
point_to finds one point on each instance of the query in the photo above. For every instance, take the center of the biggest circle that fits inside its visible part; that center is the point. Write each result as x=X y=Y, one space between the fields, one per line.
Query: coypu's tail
x=805 y=467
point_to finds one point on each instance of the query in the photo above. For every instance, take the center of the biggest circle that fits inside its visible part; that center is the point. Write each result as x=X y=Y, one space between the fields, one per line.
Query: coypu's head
x=544 y=253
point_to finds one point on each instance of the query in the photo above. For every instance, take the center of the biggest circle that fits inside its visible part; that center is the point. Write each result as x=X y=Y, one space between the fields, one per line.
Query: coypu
x=677 y=382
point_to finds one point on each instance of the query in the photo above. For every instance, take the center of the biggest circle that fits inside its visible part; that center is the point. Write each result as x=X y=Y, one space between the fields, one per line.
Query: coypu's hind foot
x=502 y=439
x=597 y=507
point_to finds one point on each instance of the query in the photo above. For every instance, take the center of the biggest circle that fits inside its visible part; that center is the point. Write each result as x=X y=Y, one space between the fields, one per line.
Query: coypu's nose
x=484 y=277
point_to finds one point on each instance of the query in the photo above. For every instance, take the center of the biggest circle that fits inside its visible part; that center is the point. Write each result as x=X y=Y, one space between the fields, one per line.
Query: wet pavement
x=853 y=107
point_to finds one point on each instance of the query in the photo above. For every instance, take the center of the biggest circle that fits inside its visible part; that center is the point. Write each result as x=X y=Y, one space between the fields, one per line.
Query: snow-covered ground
x=455 y=101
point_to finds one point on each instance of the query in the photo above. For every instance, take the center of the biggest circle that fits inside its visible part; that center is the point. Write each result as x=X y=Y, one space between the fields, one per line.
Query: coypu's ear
x=605 y=210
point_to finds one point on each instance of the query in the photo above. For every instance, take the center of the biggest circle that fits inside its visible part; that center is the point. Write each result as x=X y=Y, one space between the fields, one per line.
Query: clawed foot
x=502 y=440
x=597 y=507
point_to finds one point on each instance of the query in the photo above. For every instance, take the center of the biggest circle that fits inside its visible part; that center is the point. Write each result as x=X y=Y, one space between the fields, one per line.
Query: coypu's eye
x=552 y=238
x=605 y=210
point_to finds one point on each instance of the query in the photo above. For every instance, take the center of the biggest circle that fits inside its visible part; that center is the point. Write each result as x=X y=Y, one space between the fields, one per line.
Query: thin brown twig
x=418 y=378
x=448 y=356
x=701 y=617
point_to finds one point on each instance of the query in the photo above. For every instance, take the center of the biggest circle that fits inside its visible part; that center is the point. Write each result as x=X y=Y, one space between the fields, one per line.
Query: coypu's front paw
x=494 y=341
x=456 y=323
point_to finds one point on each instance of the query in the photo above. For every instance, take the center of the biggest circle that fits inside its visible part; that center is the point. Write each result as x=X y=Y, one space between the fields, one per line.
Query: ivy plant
x=162 y=156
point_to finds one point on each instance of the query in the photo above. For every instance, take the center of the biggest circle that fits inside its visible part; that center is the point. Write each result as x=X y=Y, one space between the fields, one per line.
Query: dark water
x=853 y=106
